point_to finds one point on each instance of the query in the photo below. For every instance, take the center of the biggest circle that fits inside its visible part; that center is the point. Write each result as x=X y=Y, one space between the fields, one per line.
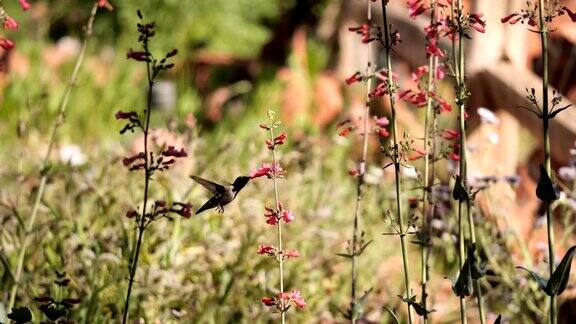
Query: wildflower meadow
x=274 y=161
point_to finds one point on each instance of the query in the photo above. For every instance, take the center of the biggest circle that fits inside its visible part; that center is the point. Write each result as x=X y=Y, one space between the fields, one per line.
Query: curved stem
x=45 y=163
x=396 y=158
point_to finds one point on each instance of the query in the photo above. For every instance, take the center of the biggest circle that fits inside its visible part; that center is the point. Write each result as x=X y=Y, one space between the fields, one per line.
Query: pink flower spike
x=6 y=44
x=287 y=216
x=268 y=170
x=10 y=23
x=440 y=73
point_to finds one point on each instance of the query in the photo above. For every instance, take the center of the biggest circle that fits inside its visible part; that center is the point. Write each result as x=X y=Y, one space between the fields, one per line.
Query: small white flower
x=410 y=172
x=72 y=154
x=487 y=116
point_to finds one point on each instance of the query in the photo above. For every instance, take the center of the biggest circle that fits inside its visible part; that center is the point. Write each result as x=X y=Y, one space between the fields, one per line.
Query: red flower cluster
x=268 y=170
x=273 y=216
x=283 y=300
x=530 y=15
x=160 y=209
x=367 y=32
x=356 y=77
x=278 y=140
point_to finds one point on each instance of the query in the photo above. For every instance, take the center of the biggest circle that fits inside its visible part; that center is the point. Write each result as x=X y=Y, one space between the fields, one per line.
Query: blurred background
x=236 y=60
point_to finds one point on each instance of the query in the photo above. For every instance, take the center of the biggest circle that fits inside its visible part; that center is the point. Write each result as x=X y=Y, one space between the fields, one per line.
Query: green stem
x=396 y=158
x=362 y=170
x=427 y=187
x=147 y=175
x=45 y=164
x=279 y=225
x=546 y=139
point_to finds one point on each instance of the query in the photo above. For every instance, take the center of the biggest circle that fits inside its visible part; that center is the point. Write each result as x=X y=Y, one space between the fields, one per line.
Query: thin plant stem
x=279 y=225
x=361 y=168
x=147 y=175
x=546 y=140
x=426 y=184
x=396 y=158
x=461 y=79
x=456 y=51
x=46 y=161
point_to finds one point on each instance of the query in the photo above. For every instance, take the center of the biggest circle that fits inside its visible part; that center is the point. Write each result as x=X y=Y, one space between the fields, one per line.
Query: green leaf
x=542 y=282
x=476 y=270
x=20 y=315
x=559 y=280
x=460 y=193
x=498 y=319
x=546 y=191
x=463 y=285
x=392 y=313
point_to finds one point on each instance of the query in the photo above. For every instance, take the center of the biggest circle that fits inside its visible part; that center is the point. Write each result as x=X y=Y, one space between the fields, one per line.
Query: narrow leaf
x=460 y=193
x=542 y=282
x=559 y=280
x=463 y=285
x=392 y=313
x=546 y=191
x=498 y=319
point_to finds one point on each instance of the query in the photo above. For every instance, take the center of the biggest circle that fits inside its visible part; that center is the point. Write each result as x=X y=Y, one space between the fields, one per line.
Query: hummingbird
x=222 y=194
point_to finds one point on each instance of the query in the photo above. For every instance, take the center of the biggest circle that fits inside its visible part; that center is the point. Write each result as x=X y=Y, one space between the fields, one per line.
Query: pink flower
x=363 y=30
x=10 y=23
x=287 y=216
x=6 y=44
x=171 y=151
x=354 y=172
x=416 y=8
x=440 y=73
x=297 y=298
x=416 y=98
x=24 y=4
x=268 y=170
x=268 y=301
x=450 y=134
x=383 y=133
x=137 y=55
x=356 y=77
x=280 y=139
x=477 y=22
x=265 y=127
x=182 y=209
x=382 y=122
x=105 y=4
x=433 y=49
x=270 y=215
x=570 y=13
x=266 y=249
x=454 y=156
x=131 y=214
x=420 y=71
x=512 y=18
x=290 y=254
x=345 y=127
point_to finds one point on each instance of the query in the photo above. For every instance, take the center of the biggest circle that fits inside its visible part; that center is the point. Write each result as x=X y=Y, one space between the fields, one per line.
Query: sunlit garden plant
x=151 y=160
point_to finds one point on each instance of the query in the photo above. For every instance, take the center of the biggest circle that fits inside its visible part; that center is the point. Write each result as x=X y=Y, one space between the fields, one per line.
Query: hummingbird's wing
x=211 y=203
x=212 y=186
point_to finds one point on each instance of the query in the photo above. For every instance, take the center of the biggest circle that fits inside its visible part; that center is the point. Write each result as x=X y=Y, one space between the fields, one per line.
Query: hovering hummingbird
x=222 y=194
